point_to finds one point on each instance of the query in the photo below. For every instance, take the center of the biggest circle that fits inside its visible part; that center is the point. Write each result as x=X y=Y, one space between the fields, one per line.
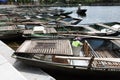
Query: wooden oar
x=106 y=26
x=88 y=58
x=100 y=37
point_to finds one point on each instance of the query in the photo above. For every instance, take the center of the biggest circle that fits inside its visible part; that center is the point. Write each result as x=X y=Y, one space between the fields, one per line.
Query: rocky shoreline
x=104 y=4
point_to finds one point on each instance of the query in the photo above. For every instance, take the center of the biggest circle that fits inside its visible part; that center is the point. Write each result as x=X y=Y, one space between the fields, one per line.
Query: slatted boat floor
x=59 y=47
x=27 y=31
x=51 y=30
x=8 y=28
x=106 y=54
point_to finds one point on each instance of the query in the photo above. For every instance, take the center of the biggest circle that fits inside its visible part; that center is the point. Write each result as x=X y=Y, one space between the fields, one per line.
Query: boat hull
x=69 y=70
x=11 y=36
x=81 y=11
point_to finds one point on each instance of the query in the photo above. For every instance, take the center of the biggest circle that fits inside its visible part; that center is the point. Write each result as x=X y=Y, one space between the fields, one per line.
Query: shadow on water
x=63 y=76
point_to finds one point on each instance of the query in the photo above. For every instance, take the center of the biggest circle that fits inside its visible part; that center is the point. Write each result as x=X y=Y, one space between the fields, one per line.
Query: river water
x=96 y=14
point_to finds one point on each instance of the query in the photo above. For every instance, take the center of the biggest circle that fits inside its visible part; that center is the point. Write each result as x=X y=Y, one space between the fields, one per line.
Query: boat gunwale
x=66 y=65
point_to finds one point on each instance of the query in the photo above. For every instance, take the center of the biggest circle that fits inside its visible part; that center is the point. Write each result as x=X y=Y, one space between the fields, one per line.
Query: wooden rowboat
x=10 y=32
x=81 y=11
x=98 y=57
x=100 y=30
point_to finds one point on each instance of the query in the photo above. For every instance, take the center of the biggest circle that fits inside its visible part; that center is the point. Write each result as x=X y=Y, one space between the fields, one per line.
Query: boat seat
x=59 y=60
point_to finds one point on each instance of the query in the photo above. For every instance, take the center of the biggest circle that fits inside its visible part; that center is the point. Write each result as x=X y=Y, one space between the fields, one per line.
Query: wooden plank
x=24 y=46
x=54 y=47
x=88 y=58
x=89 y=28
x=72 y=32
x=27 y=31
x=106 y=26
x=50 y=30
x=104 y=54
x=90 y=62
x=24 y=23
x=66 y=23
x=8 y=28
x=116 y=42
x=86 y=49
x=89 y=36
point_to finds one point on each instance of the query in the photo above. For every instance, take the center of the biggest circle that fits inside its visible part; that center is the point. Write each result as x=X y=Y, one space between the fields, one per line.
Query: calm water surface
x=97 y=14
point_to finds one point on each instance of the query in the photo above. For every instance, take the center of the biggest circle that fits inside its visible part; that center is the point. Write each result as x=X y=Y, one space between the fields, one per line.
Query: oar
x=89 y=58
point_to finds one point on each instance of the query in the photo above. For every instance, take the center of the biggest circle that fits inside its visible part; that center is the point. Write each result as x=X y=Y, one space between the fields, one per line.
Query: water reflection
x=82 y=15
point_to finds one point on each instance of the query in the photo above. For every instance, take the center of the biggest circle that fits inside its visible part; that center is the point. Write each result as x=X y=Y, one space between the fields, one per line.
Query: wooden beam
x=106 y=26
x=90 y=62
x=74 y=32
x=116 y=42
x=89 y=36
x=89 y=28
x=89 y=58
x=24 y=23
x=86 y=49
x=66 y=23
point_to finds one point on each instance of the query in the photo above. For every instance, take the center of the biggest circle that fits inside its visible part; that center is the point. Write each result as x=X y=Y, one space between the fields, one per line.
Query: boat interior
x=94 y=53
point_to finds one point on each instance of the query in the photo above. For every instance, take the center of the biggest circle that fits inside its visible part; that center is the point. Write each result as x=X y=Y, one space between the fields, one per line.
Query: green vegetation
x=85 y=2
